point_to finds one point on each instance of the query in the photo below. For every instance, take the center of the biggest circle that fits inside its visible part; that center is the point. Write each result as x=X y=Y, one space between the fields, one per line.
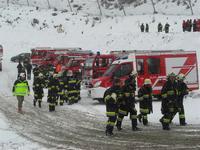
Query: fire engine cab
x=96 y=65
x=1 y=56
x=155 y=65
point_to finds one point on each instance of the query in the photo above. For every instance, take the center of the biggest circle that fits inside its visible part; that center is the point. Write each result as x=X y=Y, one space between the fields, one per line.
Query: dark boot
x=34 y=103
x=134 y=125
x=119 y=125
x=165 y=126
x=109 y=130
x=139 y=118
x=39 y=104
x=144 y=120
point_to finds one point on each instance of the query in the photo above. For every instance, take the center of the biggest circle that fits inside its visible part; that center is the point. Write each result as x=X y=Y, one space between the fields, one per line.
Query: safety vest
x=21 y=89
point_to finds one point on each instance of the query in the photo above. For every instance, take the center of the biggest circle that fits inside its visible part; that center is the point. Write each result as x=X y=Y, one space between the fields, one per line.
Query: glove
x=114 y=96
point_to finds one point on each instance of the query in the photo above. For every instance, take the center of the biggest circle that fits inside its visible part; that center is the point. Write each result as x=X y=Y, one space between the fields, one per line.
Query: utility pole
x=154 y=9
x=99 y=7
x=70 y=7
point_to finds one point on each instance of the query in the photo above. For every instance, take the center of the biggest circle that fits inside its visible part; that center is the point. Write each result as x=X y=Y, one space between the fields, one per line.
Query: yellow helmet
x=147 y=81
x=181 y=77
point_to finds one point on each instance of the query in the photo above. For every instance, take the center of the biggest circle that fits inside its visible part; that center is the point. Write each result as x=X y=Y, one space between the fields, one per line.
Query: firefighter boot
x=109 y=130
x=119 y=125
x=139 y=117
x=34 y=102
x=182 y=122
x=39 y=104
x=61 y=102
x=165 y=126
x=144 y=120
x=134 y=126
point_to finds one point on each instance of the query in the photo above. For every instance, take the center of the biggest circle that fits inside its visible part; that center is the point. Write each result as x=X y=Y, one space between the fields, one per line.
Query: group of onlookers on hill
x=191 y=26
x=165 y=28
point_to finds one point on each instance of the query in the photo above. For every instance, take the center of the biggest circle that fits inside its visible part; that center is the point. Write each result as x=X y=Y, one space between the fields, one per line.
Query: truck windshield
x=110 y=71
x=89 y=62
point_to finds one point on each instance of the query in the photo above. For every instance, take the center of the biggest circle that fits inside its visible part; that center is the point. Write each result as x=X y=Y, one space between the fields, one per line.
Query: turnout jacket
x=145 y=99
x=38 y=86
x=112 y=97
x=169 y=95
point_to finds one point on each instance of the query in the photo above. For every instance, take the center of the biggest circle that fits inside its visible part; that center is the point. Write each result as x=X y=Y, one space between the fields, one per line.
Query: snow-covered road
x=81 y=126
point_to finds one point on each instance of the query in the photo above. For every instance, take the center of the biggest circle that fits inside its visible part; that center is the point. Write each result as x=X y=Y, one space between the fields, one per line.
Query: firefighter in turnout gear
x=21 y=89
x=65 y=86
x=182 y=90
x=145 y=101
x=111 y=98
x=127 y=103
x=53 y=88
x=38 y=86
x=71 y=88
x=78 y=86
x=61 y=90
x=169 y=95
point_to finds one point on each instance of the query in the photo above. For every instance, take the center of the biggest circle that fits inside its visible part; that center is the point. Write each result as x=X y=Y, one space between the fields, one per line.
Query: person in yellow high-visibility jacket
x=21 y=89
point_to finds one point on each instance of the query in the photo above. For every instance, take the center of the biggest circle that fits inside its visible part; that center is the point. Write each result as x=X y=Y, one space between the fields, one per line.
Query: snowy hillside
x=81 y=126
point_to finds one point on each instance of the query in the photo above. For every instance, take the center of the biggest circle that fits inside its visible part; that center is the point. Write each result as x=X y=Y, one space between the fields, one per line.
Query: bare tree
x=99 y=8
x=121 y=7
x=70 y=7
x=154 y=9
x=189 y=1
x=48 y=4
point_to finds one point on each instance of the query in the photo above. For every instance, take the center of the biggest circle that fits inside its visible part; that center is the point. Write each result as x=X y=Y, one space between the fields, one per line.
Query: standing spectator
x=184 y=25
x=190 y=25
x=198 y=25
x=167 y=28
x=160 y=27
x=147 y=28
x=21 y=89
x=28 y=69
x=187 y=25
x=142 y=27
x=194 y=25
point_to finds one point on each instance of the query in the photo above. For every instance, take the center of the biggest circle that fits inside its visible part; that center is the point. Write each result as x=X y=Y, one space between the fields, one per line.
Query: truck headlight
x=97 y=84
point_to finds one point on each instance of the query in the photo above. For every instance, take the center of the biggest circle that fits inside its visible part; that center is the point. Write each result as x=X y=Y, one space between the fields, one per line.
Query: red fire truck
x=155 y=65
x=1 y=56
x=95 y=66
x=52 y=56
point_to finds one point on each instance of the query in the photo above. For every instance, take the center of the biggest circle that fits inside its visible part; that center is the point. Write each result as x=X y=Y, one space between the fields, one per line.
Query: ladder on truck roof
x=126 y=52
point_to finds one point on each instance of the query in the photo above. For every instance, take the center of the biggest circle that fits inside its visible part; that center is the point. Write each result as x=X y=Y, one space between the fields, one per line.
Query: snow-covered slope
x=81 y=30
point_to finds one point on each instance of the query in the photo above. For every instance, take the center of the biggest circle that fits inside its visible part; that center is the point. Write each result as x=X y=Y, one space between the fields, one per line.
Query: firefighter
x=111 y=98
x=71 y=88
x=28 y=70
x=53 y=88
x=21 y=89
x=147 y=28
x=169 y=94
x=78 y=86
x=142 y=27
x=127 y=103
x=36 y=71
x=182 y=90
x=145 y=101
x=61 y=90
x=167 y=28
x=50 y=77
x=160 y=27
x=38 y=86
